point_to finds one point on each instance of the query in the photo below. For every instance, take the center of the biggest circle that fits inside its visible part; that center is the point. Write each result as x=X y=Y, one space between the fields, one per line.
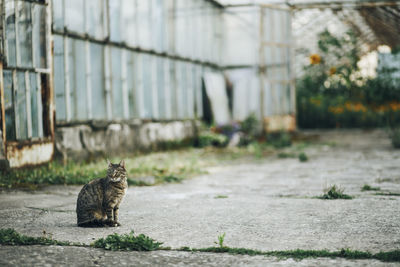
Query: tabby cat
x=99 y=200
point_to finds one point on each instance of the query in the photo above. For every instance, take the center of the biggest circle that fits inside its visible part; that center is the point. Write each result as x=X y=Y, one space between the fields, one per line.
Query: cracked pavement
x=269 y=206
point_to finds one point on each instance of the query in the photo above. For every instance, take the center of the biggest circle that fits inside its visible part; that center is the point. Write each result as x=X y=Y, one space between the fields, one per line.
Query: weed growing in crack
x=221 y=239
x=334 y=192
x=11 y=237
x=220 y=196
x=387 y=194
x=169 y=179
x=145 y=243
x=127 y=242
x=285 y=155
x=303 y=157
x=367 y=187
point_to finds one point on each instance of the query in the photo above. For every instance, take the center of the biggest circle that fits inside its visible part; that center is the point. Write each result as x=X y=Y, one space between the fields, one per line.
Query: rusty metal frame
x=17 y=152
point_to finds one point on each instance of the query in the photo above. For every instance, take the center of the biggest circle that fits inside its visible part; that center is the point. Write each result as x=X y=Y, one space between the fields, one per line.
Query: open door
x=276 y=68
x=27 y=110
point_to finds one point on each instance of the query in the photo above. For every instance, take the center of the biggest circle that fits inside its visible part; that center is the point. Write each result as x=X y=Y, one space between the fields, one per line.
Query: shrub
x=127 y=242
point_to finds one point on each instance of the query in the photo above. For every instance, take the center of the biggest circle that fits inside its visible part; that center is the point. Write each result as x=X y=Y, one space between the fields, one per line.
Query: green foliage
x=220 y=196
x=387 y=194
x=367 y=187
x=395 y=136
x=250 y=125
x=127 y=242
x=334 y=94
x=50 y=173
x=170 y=179
x=300 y=254
x=221 y=239
x=303 y=157
x=130 y=242
x=11 y=237
x=279 y=140
x=166 y=167
x=334 y=192
x=284 y=155
x=212 y=139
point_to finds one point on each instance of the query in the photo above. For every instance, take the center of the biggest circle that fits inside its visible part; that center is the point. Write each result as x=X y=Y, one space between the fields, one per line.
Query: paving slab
x=268 y=205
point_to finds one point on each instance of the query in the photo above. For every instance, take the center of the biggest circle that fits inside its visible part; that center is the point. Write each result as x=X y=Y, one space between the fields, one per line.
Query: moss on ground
x=142 y=242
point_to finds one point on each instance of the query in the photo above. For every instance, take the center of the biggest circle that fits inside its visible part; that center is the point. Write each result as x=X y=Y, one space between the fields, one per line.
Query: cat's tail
x=93 y=224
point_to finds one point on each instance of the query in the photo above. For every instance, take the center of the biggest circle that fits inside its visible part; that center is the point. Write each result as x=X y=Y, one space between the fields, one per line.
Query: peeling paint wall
x=33 y=154
x=86 y=141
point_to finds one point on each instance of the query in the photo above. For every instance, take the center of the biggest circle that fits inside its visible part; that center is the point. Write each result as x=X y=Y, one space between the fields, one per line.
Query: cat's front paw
x=113 y=224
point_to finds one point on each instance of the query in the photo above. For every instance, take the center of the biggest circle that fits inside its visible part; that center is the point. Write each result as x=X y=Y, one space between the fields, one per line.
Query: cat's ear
x=109 y=163
x=122 y=163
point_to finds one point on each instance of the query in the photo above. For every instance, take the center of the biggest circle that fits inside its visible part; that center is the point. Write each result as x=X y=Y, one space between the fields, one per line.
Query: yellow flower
x=315 y=59
x=394 y=106
x=336 y=110
x=315 y=101
x=332 y=71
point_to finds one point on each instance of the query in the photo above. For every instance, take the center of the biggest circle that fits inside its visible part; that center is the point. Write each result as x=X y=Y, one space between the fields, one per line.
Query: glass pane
x=94 y=16
x=118 y=107
x=179 y=27
x=115 y=20
x=71 y=76
x=147 y=86
x=129 y=22
x=74 y=15
x=21 y=118
x=59 y=77
x=58 y=19
x=184 y=91
x=173 y=88
x=190 y=93
x=160 y=87
x=25 y=33
x=130 y=79
x=98 y=96
x=179 y=90
x=158 y=21
x=10 y=33
x=197 y=91
x=8 y=105
x=143 y=20
x=77 y=69
x=34 y=104
x=39 y=35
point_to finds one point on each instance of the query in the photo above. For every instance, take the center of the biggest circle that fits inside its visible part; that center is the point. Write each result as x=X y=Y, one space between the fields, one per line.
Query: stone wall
x=92 y=140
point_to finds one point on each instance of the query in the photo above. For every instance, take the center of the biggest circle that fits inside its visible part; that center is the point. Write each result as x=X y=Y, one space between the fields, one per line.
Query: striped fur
x=98 y=201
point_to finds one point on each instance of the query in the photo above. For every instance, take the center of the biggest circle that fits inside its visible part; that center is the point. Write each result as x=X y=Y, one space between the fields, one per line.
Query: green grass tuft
x=285 y=155
x=299 y=254
x=142 y=242
x=11 y=237
x=334 y=192
x=387 y=194
x=220 y=196
x=367 y=187
x=279 y=140
x=303 y=157
x=221 y=239
x=169 y=179
x=127 y=242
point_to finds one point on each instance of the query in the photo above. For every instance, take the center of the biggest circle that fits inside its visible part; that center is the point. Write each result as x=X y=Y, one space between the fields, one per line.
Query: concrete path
x=269 y=206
